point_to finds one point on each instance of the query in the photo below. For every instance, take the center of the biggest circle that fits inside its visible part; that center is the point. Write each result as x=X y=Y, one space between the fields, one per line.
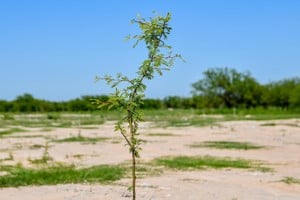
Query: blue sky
x=53 y=49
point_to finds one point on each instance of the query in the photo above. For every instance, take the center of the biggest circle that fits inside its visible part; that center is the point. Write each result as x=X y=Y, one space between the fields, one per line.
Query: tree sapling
x=154 y=33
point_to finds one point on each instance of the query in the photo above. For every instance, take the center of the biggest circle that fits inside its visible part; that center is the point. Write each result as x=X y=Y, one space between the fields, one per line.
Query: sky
x=54 y=49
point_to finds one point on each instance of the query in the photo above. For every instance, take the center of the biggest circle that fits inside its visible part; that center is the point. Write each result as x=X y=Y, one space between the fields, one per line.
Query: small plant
x=45 y=158
x=10 y=156
x=154 y=33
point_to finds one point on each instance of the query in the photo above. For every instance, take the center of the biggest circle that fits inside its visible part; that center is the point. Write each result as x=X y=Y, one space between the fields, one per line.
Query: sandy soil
x=282 y=154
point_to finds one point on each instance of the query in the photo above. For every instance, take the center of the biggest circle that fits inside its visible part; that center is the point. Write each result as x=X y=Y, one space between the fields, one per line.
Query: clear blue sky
x=53 y=49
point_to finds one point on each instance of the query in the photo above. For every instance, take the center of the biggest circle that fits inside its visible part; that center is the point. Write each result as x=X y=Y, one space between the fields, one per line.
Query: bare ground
x=282 y=154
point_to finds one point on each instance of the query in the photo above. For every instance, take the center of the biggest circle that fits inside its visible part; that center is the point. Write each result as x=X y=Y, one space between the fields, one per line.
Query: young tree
x=154 y=33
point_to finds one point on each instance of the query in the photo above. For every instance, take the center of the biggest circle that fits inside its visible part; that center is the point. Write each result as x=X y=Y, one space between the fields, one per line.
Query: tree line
x=220 y=88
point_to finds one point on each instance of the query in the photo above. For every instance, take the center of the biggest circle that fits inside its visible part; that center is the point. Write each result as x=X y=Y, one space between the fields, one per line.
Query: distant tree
x=282 y=93
x=3 y=105
x=173 y=102
x=152 y=104
x=228 y=88
x=294 y=99
x=25 y=103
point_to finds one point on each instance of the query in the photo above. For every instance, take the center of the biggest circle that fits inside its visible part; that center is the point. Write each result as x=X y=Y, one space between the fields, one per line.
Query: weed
x=45 y=158
x=10 y=156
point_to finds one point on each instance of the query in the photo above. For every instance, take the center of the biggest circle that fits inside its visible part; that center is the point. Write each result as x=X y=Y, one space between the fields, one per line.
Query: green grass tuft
x=184 y=162
x=53 y=116
x=7 y=116
x=160 y=134
x=291 y=180
x=226 y=145
x=11 y=131
x=268 y=124
x=19 y=176
x=79 y=138
x=280 y=124
x=37 y=146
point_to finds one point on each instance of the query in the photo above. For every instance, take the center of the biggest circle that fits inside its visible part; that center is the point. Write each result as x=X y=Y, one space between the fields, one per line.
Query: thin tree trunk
x=133 y=174
x=133 y=155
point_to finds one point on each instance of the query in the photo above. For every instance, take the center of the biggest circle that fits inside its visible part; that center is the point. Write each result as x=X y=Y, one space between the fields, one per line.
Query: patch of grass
x=40 y=161
x=62 y=124
x=89 y=127
x=91 y=121
x=160 y=134
x=78 y=156
x=5 y=168
x=192 y=121
x=46 y=129
x=11 y=131
x=53 y=116
x=146 y=171
x=185 y=163
x=291 y=180
x=280 y=124
x=7 y=116
x=227 y=145
x=178 y=118
x=61 y=174
x=268 y=124
x=80 y=138
x=115 y=141
x=37 y=146
x=52 y=120
x=274 y=116
x=28 y=136
x=161 y=117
